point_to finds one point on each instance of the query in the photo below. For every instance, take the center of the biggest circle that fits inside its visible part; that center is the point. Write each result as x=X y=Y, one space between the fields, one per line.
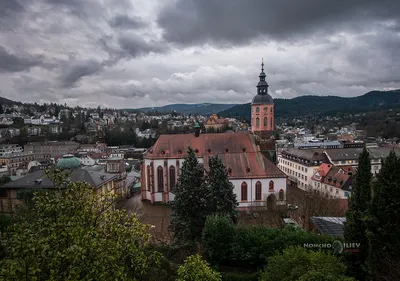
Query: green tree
x=196 y=269
x=221 y=198
x=75 y=233
x=217 y=238
x=299 y=264
x=355 y=227
x=189 y=208
x=383 y=220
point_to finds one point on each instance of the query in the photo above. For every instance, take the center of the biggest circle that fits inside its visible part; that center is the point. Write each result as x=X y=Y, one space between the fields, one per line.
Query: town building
x=332 y=181
x=94 y=176
x=51 y=149
x=7 y=149
x=301 y=164
x=215 y=124
x=16 y=161
x=255 y=178
x=42 y=120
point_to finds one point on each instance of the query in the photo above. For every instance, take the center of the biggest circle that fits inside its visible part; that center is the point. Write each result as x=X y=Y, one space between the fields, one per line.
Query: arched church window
x=271 y=109
x=281 y=195
x=265 y=121
x=271 y=186
x=244 y=191
x=272 y=125
x=257 y=122
x=266 y=109
x=160 y=179
x=172 y=180
x=258 y=191
x=257 y=109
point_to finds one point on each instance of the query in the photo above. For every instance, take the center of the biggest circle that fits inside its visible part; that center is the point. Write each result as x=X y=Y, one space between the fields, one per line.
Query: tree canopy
x=75 y=233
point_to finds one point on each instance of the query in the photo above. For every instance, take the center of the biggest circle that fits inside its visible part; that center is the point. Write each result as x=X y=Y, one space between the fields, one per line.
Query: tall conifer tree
x=383 y=222
x=189 y=208
x=355 y=228
x=222 y=199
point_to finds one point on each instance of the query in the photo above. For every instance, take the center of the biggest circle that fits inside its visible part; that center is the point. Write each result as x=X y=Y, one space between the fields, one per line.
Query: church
x=246 y=155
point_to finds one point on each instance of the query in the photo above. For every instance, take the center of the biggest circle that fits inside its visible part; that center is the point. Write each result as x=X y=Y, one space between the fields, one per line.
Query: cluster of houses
x=113 y=169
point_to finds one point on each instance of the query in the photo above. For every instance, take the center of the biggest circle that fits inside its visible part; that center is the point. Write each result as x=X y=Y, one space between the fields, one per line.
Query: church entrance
x=271 y=202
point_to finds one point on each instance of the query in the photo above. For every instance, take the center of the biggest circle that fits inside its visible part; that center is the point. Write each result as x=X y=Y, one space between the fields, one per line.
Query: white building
x=42 y=120
x=301 y=164
x=148 y=133
x=254 y=177
x=8 y=149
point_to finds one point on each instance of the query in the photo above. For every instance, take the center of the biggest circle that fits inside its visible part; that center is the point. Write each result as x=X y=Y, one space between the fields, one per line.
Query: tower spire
x=262 y=64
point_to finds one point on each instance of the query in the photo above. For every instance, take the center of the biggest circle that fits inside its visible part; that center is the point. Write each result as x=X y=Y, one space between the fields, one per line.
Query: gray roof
x=308 y=154
x=382 y=152
x=333 y=226
x=263 y=99
x=92 y=177
x=338 y=154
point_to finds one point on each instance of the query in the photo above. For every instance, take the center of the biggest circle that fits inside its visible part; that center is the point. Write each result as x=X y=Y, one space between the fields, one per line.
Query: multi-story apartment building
x=116 y=165
x=333 y=181
x=14 y=161
x=7 y=149
x=301 y=164
x=51 y=149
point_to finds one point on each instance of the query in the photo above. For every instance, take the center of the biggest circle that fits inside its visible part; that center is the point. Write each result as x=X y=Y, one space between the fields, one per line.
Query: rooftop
x=333 y=226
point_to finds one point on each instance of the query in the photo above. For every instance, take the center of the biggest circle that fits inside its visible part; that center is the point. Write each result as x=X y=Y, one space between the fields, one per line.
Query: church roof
x=238 y=152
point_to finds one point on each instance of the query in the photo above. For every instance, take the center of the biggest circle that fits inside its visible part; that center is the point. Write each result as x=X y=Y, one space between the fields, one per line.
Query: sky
x=141 y=53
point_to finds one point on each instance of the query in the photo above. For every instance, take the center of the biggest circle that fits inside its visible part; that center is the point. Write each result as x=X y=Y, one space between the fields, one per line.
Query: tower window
x=272 y=125
x=257 y=122
x=148 y=177
x=257 y=109
x=265 y=121
x=271 y=109
x=266 y=109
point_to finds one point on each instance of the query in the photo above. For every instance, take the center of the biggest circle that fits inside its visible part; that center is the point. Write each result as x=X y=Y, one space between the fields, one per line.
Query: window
x=258 y=190
x=3 y=193
x=346 y=194
x=265 y=121
x=171 y=178
x=148 y=177
x=271 y=109
x=257 y=122
x=266 y=109
x=281 y=195
x=271 y=186
x=272 y=125
x=160 y=179
x=306 y=177
x=244 y=191
x=257 y=109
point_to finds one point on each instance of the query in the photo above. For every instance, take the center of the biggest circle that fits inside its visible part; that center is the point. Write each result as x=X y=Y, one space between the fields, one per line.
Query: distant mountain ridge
x=199 y=108
x=316 y=105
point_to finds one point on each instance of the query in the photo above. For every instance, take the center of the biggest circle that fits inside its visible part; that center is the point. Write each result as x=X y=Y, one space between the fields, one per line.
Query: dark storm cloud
x=135 y=45
x=12 y=63
x=72 y=72
x=126 y=22
x=192 y=22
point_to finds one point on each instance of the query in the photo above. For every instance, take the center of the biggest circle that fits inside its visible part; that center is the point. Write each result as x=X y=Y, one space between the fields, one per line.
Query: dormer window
x=226 y=149
x=248 y=170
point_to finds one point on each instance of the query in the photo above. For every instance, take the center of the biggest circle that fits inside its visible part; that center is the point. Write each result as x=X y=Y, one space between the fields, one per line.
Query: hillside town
x=279 y=173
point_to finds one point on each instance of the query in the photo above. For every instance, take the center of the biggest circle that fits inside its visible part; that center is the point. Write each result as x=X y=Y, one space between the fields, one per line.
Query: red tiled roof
x=334 y=174
x=238 y=152
x=247 y=165
x=169 y=146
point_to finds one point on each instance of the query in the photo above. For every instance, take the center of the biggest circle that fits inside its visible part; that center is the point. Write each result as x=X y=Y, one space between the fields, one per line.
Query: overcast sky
x=136 y=53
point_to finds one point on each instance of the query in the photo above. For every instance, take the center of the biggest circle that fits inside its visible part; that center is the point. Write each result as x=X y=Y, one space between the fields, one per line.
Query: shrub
x=196 y=269
x=217 y=238
x=231 y=276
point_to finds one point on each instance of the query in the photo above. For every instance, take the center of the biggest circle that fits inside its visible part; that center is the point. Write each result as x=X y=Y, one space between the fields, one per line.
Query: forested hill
x=200 y=108
x=312 y=105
